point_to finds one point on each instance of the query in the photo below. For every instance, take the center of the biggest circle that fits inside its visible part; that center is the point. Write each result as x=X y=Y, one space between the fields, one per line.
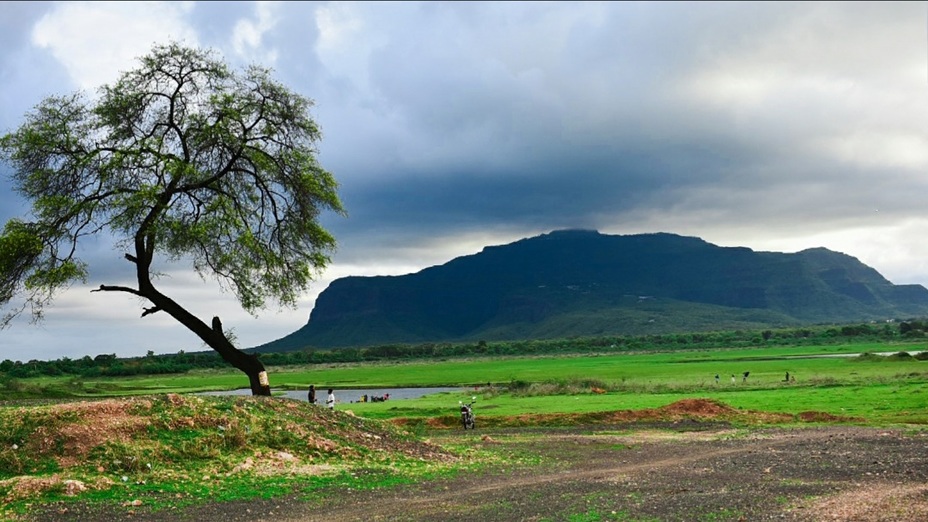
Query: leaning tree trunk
x=213 y=335
x=216 y=339
x=248 y=363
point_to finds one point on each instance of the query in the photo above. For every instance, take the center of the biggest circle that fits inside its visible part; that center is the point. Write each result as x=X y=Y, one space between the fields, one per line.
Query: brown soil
x=684 y=463
x=101 y=421
x=686 y=474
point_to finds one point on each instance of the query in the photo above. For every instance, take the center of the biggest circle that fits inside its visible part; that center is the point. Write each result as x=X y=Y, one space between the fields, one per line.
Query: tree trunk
x=216 y=339
x=213 y=335
x=248 y=363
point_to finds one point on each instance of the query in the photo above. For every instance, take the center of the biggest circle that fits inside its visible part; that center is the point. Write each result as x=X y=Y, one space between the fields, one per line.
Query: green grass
x=172 y=451
x=878 y=389
x=672 y=368
x=189 y=442
x=875 y=404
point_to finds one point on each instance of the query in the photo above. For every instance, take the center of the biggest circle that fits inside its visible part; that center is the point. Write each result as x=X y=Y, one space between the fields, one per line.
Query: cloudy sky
x=451 y=126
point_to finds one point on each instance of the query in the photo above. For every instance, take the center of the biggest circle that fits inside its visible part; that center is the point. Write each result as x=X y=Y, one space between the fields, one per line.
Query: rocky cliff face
x=586 y=283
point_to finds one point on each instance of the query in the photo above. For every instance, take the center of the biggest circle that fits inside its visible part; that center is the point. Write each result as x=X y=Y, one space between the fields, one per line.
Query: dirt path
x=830 y=473
x=689 y=472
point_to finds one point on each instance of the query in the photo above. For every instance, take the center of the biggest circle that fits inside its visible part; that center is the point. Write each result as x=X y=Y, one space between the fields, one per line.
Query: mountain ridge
x=582 y=282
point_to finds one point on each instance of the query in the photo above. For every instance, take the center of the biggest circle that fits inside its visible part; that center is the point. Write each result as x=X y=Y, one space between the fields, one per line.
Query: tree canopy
x=182 y=157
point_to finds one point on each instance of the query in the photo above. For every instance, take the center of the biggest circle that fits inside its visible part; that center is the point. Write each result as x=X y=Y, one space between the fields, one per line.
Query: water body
x=345 y=396
x=828 y=355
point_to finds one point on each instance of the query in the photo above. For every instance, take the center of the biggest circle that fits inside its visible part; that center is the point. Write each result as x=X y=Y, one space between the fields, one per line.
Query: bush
x=560 y=387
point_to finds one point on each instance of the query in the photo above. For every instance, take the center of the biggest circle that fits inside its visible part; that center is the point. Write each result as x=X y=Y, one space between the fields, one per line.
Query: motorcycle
x=467 y=413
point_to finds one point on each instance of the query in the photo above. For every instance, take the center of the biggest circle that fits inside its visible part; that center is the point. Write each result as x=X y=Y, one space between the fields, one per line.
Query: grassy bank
x=169 y=451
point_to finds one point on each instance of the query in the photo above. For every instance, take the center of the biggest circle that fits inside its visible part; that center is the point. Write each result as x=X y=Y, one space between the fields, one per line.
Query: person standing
x=312 y=394
x=330 y=399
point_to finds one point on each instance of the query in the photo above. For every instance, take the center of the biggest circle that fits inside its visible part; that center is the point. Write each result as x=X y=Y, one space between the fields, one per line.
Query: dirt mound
x=88 y=425
x=128 y=436
x=446 y=421
x=702 y=409
x=698 y=408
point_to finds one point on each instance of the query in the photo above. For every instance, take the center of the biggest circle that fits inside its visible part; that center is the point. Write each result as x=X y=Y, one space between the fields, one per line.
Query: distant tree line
x=151 y=364
x=110 y=365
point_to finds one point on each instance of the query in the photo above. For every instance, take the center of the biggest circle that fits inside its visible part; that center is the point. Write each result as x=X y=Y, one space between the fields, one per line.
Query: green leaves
x=182 y=157
x=20 y=247
x=26 y=267
x=56 y=275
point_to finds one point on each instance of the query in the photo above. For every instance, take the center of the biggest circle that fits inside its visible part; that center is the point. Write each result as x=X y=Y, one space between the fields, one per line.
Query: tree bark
x=212 y=336
x=248 y=363
x=216 y=339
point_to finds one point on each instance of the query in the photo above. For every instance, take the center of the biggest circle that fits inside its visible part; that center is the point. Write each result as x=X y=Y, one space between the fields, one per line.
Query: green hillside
x=580 y=283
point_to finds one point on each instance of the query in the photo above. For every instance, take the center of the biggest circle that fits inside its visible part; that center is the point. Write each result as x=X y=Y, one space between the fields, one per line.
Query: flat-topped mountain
x=578 y=283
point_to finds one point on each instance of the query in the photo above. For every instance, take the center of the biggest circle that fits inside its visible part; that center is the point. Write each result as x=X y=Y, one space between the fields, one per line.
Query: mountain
x=579 y=282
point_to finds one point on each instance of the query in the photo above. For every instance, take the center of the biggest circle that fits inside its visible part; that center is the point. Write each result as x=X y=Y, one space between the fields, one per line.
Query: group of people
x=329 y=400
x=744 y=378
x=330 y=397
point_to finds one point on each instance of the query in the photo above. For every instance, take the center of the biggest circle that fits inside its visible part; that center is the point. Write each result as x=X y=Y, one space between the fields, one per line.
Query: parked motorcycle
x=467 y=413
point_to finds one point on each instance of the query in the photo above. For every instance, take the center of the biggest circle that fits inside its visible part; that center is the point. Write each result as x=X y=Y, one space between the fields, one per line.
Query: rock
x=73 y=487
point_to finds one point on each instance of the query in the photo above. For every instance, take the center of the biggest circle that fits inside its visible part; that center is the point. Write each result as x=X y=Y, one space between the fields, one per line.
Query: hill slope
x=577 y=282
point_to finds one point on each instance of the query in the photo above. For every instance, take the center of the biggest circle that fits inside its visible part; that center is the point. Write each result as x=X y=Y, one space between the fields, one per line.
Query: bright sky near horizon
x=455 y=125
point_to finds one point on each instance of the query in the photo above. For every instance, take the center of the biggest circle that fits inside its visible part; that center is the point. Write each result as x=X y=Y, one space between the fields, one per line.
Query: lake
x=346 y=396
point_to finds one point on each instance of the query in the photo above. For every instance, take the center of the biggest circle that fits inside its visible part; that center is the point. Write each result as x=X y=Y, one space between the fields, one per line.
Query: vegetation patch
x=571 y=386
x=702 y=410
x=151 y=452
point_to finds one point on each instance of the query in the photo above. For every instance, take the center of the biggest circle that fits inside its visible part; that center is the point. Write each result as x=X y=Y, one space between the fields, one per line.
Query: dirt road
x=712 y=475
x=688 y=471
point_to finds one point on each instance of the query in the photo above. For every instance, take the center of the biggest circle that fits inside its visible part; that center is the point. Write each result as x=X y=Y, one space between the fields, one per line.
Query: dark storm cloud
x=544 y=127
x=453 y=125
x=552 y=116
x=560 y=187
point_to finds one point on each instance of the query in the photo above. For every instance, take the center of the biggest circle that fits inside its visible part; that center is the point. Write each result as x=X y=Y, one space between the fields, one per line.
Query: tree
x=182 y=157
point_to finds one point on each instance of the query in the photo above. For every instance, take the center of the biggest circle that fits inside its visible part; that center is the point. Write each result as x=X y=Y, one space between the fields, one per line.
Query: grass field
x=178 y=449
x=828 y=379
